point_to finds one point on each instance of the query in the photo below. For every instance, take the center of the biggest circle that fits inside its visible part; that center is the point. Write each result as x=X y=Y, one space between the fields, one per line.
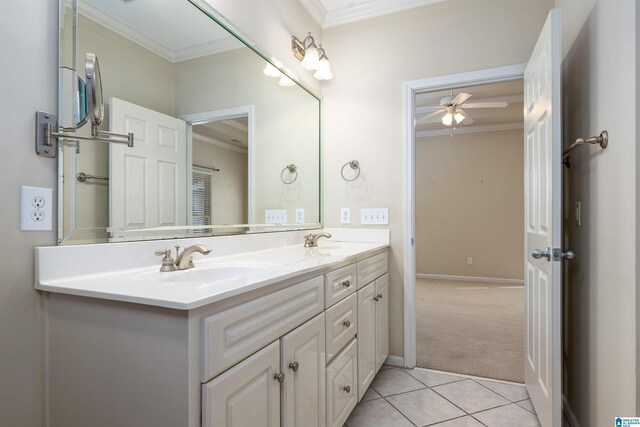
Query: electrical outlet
x=375 y=216
x=345 y=216
x=35 y=208
x=299 y=215
x=470 y=260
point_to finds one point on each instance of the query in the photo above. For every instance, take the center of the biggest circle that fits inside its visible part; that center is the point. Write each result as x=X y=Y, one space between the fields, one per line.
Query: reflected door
x=148 y=183
x=543 y=214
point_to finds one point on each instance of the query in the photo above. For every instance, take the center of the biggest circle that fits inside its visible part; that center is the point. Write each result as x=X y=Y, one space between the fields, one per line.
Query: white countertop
x=209 y=281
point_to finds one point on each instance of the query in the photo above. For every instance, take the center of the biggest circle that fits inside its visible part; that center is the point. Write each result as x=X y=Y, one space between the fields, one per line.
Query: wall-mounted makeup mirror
x=212 y=132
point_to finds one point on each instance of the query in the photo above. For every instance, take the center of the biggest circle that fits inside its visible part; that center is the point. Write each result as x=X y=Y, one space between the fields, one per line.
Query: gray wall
x=600 y=288
x=28 y=82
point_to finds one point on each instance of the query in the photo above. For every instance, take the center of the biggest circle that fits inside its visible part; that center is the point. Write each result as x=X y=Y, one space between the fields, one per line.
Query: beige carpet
x=471 y=328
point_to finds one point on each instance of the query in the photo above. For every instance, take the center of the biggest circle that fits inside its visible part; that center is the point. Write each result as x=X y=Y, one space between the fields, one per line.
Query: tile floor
x=402 y=397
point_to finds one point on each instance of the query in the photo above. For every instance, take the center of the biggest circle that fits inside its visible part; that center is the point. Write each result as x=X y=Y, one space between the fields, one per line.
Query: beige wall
x=229 y=183
x=600 y=292
x=363 y=103
x=470 y=203
x=28 y=82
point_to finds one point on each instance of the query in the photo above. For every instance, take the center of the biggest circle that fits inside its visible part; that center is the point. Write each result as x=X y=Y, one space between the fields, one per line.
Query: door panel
x=382 y=320
x=303 y=390
x=366 y=338
x=342 y=385
x=247 y=395
x=543 y=178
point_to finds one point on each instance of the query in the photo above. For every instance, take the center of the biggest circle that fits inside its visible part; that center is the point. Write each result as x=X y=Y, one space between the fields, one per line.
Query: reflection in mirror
x=212 y=132
x=73 y=110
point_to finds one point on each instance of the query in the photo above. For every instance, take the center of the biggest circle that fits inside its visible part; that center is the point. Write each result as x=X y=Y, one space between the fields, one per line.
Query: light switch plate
x=275 y=216
x=299 y=215
x=345 y=216
x=374 y=216
x=36 y=205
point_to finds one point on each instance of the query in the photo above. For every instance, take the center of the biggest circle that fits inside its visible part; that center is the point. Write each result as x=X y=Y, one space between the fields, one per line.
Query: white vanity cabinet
x=297 y=352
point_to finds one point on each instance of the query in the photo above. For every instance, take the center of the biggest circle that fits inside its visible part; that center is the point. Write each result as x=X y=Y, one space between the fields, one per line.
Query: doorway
x=470 y=307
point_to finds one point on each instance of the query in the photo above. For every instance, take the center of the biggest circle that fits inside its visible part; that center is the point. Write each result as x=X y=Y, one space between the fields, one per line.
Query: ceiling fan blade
x=498 y=104
x=460 y=98
x=431 y=118
x=424 y=110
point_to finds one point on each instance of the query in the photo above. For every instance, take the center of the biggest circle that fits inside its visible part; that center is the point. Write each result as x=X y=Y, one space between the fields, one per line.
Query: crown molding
x=371 y=9
x=469 y=129
x=173 y=56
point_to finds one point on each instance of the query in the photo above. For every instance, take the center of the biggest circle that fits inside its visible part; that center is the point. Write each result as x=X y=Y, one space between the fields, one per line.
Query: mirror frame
x=94 y=112
x=94 y=89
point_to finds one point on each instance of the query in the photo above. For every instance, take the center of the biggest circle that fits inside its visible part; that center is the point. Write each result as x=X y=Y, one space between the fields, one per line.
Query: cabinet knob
x=346 y=323
x=294 y=366
x=279 y=377
x=346 y=283
x=347 y=388
x=380 y=296
x=376 y=298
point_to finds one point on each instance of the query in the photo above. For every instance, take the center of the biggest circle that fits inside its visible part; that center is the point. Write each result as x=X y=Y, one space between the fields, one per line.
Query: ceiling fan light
x=458 y=117
x=324 y=70
x=447 y=119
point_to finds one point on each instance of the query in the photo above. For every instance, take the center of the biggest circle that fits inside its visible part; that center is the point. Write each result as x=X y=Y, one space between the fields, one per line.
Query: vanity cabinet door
x=382 y=320
x=366 y=337
x=342 y=385
x=303 y=362
x=246 y=395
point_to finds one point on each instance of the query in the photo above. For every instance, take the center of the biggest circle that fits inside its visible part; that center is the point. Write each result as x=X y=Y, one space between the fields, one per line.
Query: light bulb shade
x=447 y=119
x=285 y=81
x=271 y=71
x=458 y=117
x=324 y=70
x=311 y=58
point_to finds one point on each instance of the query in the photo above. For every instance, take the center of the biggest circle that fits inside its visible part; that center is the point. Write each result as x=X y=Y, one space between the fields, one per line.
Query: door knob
x=539 y=253
x=279 y=377
x=294 y=366
x=569 y=255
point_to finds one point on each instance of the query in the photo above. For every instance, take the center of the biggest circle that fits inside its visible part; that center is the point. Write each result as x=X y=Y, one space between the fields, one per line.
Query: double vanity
x=278 y=335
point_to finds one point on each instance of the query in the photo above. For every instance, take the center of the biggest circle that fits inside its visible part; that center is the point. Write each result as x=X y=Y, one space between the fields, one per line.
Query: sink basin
x=208 y=273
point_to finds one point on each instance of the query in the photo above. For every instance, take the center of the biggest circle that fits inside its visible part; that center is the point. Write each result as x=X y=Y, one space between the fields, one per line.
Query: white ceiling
x=174 y=30
x=330 y=13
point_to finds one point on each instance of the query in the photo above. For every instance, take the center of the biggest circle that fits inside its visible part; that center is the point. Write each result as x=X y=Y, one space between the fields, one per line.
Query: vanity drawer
x=233 y=334
x=342 y=385
x=341 y=324
x=339 y=284
x=371 y=268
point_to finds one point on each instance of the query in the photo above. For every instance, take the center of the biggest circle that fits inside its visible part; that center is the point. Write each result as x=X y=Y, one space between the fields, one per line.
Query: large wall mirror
x=219 y=146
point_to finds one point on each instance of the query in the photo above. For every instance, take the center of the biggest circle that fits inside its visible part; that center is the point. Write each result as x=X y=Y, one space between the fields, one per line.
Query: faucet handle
x=177 y=250
x=168 y=263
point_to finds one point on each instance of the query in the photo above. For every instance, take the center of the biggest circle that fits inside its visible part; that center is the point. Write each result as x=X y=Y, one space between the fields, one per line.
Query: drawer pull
x=279 y=377
x=294 y=366
x=346 y=283
x=346 y=323
x=347 y=388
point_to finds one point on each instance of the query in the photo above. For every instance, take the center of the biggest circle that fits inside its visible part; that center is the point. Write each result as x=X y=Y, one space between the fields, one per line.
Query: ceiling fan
x=452 y=107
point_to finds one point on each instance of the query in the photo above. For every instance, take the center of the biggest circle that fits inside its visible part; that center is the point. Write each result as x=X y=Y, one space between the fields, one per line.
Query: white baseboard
x=470 y=279
x=395 y=361
x=568 y=413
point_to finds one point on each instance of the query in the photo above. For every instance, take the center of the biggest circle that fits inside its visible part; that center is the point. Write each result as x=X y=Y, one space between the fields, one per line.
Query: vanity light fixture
x=311 y=57
x=285 y=81
x=271 y=71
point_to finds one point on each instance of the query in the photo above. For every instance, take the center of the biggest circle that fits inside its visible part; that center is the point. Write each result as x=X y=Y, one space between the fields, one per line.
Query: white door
x=147 y=183
x=246 y=395
x=543 y=226
x=303 y=362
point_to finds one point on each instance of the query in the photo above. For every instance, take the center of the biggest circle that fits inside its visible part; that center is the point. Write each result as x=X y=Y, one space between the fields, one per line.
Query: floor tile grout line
x=446 y=421
x=504 y=397
x=401 y=413
x=436 y=392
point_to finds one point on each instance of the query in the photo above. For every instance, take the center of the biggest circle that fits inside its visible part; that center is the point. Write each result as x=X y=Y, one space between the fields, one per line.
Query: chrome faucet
x=184 y=260
x=311 y=240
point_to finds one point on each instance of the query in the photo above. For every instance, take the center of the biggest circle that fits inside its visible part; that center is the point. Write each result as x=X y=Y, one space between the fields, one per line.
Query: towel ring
x=354 y=164
x=293 y=169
